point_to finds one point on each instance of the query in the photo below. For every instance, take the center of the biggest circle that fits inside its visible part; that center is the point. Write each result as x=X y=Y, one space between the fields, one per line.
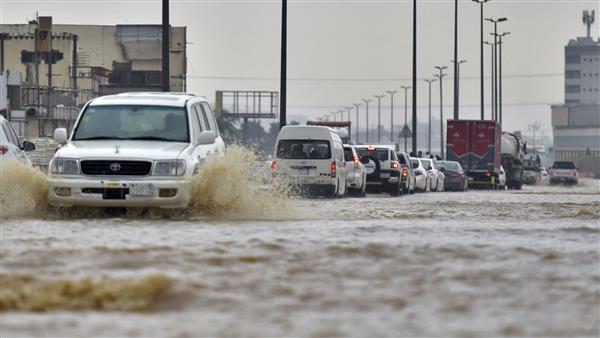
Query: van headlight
x=169 y=168
x=64 y=166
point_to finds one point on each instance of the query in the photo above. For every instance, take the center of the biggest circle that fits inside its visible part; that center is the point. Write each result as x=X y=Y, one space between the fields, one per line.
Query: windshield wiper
x=152 y=138
x=98 y=138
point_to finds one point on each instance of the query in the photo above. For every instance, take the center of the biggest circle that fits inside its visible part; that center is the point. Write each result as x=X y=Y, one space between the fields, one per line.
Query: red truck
x=475 y=144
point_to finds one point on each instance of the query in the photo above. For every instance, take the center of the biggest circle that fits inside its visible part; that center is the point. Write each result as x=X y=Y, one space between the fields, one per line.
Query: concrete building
x=576 y=123
x=88 y=61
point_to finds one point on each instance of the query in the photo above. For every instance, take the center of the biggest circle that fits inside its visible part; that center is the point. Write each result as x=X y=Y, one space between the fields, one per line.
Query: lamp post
x=391 y=92
x=283 y=72
x=165 y=83
x=367 y=117
x=379 y=97
x=456 y=58
x=500 y=73
x=414 y=81
x=429 y=82
x=348 y=108
x=495 y=34
x=481 y=2
x=457 y=82
x=406 y=88
x=492 y=82
x=341 y=112
x=357 y=105
x=440 y=76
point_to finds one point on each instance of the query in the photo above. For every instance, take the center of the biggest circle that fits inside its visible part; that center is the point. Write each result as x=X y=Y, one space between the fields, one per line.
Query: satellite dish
x=31 y=112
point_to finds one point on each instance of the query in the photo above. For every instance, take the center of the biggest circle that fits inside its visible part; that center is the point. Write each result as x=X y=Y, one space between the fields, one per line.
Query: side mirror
x=206 y=137
x=28 y=146
x=364 y=160
x=60 y=135
x=442 y=169
x=429 y=168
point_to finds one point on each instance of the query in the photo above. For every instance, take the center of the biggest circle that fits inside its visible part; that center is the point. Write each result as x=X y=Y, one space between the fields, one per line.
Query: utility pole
x=166 y=77
x=391 y=92
x=348 y=108
x=495 y=34
x=379 y=97
x=457 y=81
x=492 y=80
x=414 y=81
x=429 y=82
x=456 y=58
x=440 y=76
x=367 y=106
x=481 y=2
x=357 y=105
x=283 y=72
x=406 y=88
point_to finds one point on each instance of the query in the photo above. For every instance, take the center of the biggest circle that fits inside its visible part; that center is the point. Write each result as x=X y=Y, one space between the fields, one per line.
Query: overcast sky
x=340 y=52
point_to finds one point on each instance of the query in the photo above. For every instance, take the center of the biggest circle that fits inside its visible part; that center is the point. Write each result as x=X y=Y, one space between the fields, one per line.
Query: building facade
x=576 y=123
x=85 y=61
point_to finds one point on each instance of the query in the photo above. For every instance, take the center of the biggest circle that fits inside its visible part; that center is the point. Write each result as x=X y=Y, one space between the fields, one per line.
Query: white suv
x=134 y=150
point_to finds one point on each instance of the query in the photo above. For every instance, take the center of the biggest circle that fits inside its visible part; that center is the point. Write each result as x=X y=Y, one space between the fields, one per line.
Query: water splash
x=23 y=190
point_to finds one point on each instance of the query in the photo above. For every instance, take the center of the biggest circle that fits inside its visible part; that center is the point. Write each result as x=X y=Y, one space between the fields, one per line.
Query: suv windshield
x=381 y=154
x=563 y=165
x=304 y=149
x=126 y=122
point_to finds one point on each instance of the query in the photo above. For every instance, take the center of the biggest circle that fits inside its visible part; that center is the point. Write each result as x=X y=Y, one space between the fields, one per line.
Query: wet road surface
x=479 y=263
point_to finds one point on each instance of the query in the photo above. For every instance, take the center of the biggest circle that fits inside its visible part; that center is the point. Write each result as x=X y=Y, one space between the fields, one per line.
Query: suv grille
x=116 y=168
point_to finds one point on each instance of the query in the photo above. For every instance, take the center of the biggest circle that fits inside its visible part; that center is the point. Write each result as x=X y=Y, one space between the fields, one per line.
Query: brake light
x=371 y=148
x=551 y=172
x=356 y=160
x=274 y=167
x=404 y=172
x=395 y=165
x=488 y=174
x=333 y=169
x=3 y=150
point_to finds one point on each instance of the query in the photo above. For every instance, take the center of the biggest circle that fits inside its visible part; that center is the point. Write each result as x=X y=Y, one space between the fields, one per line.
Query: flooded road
x=479 y=263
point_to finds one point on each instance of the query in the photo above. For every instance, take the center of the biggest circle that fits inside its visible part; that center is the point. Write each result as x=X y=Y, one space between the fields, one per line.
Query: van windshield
x=128 y=122
x=304 y=149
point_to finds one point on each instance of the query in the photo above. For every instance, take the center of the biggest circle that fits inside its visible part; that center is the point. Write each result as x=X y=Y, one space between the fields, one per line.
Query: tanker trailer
x=512 y=149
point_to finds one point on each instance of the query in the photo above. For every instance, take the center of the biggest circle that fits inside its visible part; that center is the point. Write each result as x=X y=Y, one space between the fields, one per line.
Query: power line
x=256 y=78
x=514 y=104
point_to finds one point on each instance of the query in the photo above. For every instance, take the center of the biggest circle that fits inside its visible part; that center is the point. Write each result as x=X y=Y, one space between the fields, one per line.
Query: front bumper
x=114 y=192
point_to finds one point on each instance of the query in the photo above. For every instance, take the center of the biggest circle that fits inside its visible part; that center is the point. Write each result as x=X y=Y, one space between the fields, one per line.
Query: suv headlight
x=169 y=168
x=64 y=166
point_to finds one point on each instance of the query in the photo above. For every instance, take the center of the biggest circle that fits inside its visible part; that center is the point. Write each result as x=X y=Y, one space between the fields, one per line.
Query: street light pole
x=392 y=92
x=367 y=117
x=357 y=105
x=500 y=72
x=414 y=82
x=440 y=76
x=481 y=2
x=406 y=88
x=492 y=80
x=165 y=48
x=429 y=82
x=379 y=97
x=495 y=34
x=349 y=108
x=456 y=58
x=283 y=72
x=457 y=81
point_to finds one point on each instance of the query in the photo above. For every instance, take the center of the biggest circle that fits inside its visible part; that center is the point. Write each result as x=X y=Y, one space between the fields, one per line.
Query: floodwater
x=480 y=263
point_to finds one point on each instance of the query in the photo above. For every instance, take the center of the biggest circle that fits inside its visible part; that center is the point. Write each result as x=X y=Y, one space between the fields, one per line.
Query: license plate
x=141 y=189
x=471 y=179
x=303 y=172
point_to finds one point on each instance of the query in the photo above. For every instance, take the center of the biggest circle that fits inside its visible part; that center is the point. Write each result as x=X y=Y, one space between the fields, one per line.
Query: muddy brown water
x=479 y=263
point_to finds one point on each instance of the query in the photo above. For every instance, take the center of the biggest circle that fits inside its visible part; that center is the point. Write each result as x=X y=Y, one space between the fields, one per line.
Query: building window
x=572 y=89
x=572 y=74
x=573 y=59
x=571 y=101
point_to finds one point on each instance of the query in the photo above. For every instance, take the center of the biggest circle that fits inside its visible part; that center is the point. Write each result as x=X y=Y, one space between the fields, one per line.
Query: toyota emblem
x=114 y=167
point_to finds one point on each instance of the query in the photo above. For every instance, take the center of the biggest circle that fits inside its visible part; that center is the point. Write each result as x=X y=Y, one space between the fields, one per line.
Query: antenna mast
x=588 y=20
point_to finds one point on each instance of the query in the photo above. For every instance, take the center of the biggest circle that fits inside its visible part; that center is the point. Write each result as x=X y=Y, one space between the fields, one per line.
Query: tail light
x=274 y=167
x=3 y=150
x=356 y=160
x=404 y=172
x=418 y=173
x=333 y=169
x=371 y=148
x=574 y=172
x=395 y=165
x=551 y=172
x=488 y=174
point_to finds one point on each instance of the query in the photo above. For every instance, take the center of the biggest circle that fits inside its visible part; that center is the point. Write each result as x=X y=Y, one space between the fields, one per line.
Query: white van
x=312 y=157
x=134 y=150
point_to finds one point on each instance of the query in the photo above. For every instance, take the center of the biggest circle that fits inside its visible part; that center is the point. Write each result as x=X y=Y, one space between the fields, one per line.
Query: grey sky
x=368 y=40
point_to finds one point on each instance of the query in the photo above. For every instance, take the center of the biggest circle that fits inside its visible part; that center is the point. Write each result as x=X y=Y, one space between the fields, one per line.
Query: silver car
x=10 y=147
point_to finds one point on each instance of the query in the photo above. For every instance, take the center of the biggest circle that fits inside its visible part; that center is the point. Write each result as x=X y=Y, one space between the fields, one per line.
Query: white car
x=311 y=157
x=134 y=150
x=436 y=175
x=357 y=174
x=501 y=183
x=422 y=177
x=10 y=147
